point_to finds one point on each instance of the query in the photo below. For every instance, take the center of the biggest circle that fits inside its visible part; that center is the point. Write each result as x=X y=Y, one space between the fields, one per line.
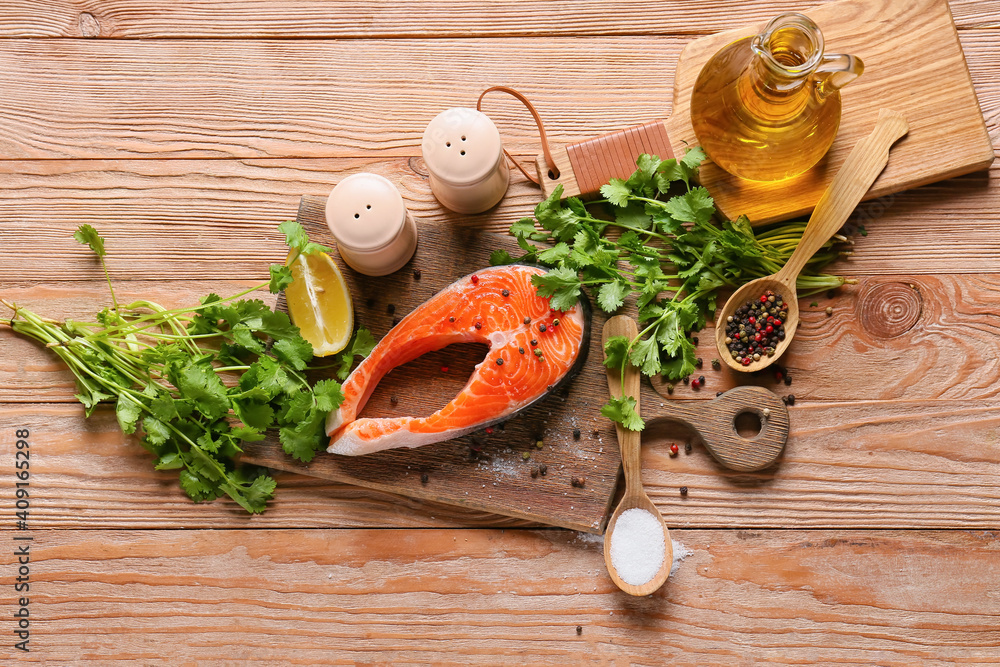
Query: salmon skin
x=497 y=306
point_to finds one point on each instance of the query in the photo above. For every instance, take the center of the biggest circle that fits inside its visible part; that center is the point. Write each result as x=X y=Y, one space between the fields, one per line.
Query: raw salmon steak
x=532 y=349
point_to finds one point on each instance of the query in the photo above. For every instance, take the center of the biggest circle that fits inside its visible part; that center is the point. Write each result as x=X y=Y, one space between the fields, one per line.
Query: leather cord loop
x=541 y=131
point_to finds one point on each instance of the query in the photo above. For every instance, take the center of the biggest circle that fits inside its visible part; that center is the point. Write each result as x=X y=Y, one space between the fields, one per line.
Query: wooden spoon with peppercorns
x=635 y=497
x=766 y=334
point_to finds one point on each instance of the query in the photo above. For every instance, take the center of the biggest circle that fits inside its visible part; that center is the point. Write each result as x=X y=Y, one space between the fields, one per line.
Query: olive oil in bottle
x=767 y=108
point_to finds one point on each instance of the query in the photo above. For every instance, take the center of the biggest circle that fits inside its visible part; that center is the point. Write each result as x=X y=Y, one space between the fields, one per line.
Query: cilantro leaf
x=622 y=410
x=199 y=383
x=128 y=412
x=646 y=355
x=361 y=345
x=281 y=277
x=617 y=192
x=611 y=296
x=297 y=239
x=296 y=352
x=696 y=205
x=562 y=286
x=328 y=395
x=616 y=351
x=501 y=258
x=87 y=235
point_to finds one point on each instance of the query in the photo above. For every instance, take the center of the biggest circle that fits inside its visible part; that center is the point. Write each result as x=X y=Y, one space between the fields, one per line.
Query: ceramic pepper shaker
x=375 y=233
x=464 y=156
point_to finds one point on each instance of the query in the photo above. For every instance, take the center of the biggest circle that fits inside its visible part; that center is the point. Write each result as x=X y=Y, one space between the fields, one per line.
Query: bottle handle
x=836 y=70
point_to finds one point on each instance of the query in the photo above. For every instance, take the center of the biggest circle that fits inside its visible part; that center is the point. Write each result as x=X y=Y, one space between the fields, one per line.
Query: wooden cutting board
x=913 y=64
x=484 y=471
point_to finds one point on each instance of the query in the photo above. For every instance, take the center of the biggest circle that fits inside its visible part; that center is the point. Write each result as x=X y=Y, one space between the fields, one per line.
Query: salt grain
x=637 y=546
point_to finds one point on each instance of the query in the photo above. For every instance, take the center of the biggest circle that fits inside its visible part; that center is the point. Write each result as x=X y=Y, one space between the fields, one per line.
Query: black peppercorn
x=579 y=629
x=684 y=490
x=576 y=434
x=424 y=478
x=391 y=308
x=542 y=469
x=417 y=274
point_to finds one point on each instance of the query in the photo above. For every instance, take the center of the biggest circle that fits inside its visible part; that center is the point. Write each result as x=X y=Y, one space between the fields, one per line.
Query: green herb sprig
x=164 y=369
x=658 y=244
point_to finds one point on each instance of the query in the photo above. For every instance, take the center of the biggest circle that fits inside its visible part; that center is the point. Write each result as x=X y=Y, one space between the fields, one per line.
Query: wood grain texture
x=888 y=338
x=880 y=464
x=216 y=219
x=932 y=88
x=278 y=597
x=328 y=99
x=131 y=19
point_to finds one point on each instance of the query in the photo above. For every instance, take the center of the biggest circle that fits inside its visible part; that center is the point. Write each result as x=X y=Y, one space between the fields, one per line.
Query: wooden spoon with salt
x=629 y=441
x=865 y=162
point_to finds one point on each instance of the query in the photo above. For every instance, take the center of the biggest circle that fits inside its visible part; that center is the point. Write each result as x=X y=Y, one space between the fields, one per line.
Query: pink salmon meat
x=497 y=306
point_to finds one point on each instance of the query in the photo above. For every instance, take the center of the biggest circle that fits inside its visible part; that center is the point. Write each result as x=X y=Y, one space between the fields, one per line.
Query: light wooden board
x=931 y=86
x=507 y=597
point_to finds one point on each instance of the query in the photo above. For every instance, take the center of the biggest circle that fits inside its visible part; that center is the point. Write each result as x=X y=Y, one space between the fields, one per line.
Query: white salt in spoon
x=635 y=497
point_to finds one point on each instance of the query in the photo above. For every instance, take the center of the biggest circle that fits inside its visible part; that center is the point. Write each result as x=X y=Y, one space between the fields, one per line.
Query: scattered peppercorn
x=521 y=350
x=687 y=379
x=701 y=379
x=489 y=430
x=829 y=311
x=541 y=327
x=716 y=364
x=543 y=469
x=788 y=400
x=539 y=444
x=391 y=308
x=670 y=388
x=788 y=380
x=394 y=400
x=579 y=482
x=424 y=478
x=527 y=320
x=534 y=342
x=579 y=629
x=694 y=339
x=499 y=361
x=687 y=447
x=526 y=455
x=475 y=279
x=534 y=471
x=538 y=353
x=451 y=319
x=479 y=325
x=674 y=449
x=698 y=362
x=417 y=274
x=505 y=292
x=719 y=393
x=684 y=490
x=444 y=369
x=695 y=383
x=555 y=322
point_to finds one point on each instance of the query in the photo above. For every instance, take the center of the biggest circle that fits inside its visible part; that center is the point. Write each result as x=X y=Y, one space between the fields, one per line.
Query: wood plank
x=885 y=340
x=286 y=98
x=495 y=597
x=131 y=19
x=215 y=219
x=873 y=464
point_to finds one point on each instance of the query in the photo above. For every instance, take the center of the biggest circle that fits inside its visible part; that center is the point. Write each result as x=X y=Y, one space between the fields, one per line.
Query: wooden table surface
x=187 y=131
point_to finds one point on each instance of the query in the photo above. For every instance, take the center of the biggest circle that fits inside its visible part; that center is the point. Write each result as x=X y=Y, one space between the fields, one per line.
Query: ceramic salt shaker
x=464 y=156
x=375 y=233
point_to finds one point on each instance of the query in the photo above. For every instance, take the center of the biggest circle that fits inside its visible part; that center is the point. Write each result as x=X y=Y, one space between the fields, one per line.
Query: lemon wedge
x=319 y=303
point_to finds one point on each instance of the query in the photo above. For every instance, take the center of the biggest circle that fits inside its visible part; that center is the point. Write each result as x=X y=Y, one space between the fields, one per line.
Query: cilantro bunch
x=165 y=370
x=654 y=240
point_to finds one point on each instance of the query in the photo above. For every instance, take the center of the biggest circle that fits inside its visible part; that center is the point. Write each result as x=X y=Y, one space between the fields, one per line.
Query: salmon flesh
x=532 y=349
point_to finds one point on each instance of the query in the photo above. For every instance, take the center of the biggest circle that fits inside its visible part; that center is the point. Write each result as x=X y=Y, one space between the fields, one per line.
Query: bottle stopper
x=375 y=233
x=464 y=156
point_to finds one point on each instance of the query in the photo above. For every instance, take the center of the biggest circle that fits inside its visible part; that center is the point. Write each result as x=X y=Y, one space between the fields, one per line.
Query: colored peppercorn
x=475 y=279
x=674 y=449
x=505 y=292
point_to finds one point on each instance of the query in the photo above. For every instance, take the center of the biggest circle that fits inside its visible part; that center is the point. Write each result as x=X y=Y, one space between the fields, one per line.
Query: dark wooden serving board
x=483 y=471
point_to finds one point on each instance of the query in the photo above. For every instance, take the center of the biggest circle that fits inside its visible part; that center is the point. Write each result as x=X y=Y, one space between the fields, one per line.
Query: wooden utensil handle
x=865 y=162
x=715 y=425
x=628 y=441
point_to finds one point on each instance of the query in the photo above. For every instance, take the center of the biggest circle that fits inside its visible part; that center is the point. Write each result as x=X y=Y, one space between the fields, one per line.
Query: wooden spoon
x=628 y=441
x=865 y=162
